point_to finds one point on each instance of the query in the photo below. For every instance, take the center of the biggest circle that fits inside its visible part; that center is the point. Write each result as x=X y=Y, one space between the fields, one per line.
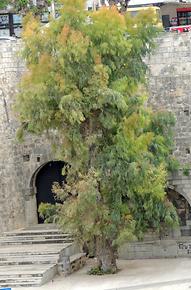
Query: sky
x=138 y=2
x=141 y=2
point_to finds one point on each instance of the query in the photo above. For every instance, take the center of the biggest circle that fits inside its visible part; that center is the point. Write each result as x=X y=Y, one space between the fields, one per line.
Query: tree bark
x=106 y=255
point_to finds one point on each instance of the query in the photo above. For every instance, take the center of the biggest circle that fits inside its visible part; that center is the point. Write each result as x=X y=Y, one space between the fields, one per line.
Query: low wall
x=156 y=249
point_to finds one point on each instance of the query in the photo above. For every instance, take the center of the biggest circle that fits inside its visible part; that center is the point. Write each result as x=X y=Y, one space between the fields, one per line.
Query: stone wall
x=170 y=86
x=173 y=248
x=18 y=162
x=170 y=89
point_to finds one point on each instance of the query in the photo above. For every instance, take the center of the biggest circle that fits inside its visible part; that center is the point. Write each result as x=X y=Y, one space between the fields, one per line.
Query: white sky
x=142 y=2
x=136 y=2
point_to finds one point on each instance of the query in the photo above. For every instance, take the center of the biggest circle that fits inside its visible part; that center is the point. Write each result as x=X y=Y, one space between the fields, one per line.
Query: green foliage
x=186 y=169
x=3 y=3
x=48 y=212
x=96 y=271
x=21 y=4
x=16 y=4
x=25 y=6
x=99 y=272
x=85 y=87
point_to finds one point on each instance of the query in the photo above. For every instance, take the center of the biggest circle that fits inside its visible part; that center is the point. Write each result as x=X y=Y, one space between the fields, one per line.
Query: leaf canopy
x=85 y=87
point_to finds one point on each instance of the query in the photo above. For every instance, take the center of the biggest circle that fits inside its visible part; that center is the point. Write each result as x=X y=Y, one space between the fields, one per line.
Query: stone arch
x=184 y=193
x=41 y=184
x=181 y=202
x=32 y=185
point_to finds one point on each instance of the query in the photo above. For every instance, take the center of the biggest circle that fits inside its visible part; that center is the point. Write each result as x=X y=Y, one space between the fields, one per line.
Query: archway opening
x=48 y=174
x=182 y=206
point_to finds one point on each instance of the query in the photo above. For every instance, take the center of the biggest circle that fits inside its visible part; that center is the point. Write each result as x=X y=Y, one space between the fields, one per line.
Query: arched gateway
x=182 y=206
x=43 y=180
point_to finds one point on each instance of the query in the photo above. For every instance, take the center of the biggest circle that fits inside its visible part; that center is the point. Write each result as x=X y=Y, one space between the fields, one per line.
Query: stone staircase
x=186 y=230
x=33 y=256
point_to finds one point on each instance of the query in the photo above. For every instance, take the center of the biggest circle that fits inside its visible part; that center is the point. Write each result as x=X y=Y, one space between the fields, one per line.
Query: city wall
x=18 y=162
x=169 y=84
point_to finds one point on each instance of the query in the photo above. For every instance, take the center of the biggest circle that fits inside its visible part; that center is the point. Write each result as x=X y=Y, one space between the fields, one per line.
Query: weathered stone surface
x=156 y=249
x=18 y=201
x=33 y=256
x=169 y=85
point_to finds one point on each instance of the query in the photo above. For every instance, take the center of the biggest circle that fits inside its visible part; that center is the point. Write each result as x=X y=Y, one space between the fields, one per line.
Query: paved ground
x=156 y=274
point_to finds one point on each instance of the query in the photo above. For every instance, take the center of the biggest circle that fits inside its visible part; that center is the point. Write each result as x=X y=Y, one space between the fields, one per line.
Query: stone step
x=34 y=241
x=25 y=254
x=186 y=227
x=185 y=232
x=188 y=222
x=16 y=256
x=17 y=283
x=31 y=237
x=41 y=249
x=38 y=227
x=21 y=271
x=34 y=256
x=34 y=275
x=15 y=260
x=34 y=232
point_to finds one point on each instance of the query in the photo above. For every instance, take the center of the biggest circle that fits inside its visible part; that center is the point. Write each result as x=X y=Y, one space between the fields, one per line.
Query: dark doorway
x=166 y=21
x=182 y=206
x=48 y=174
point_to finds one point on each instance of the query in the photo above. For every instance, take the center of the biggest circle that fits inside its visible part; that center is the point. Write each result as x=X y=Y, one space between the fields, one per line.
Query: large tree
x=84 y=87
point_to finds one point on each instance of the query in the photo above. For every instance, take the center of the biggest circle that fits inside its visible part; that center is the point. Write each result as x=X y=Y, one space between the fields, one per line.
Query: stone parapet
x=156 y=249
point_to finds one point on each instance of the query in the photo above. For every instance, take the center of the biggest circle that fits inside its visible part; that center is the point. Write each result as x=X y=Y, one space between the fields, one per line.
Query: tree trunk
x=106 y=255
x=53 y=12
